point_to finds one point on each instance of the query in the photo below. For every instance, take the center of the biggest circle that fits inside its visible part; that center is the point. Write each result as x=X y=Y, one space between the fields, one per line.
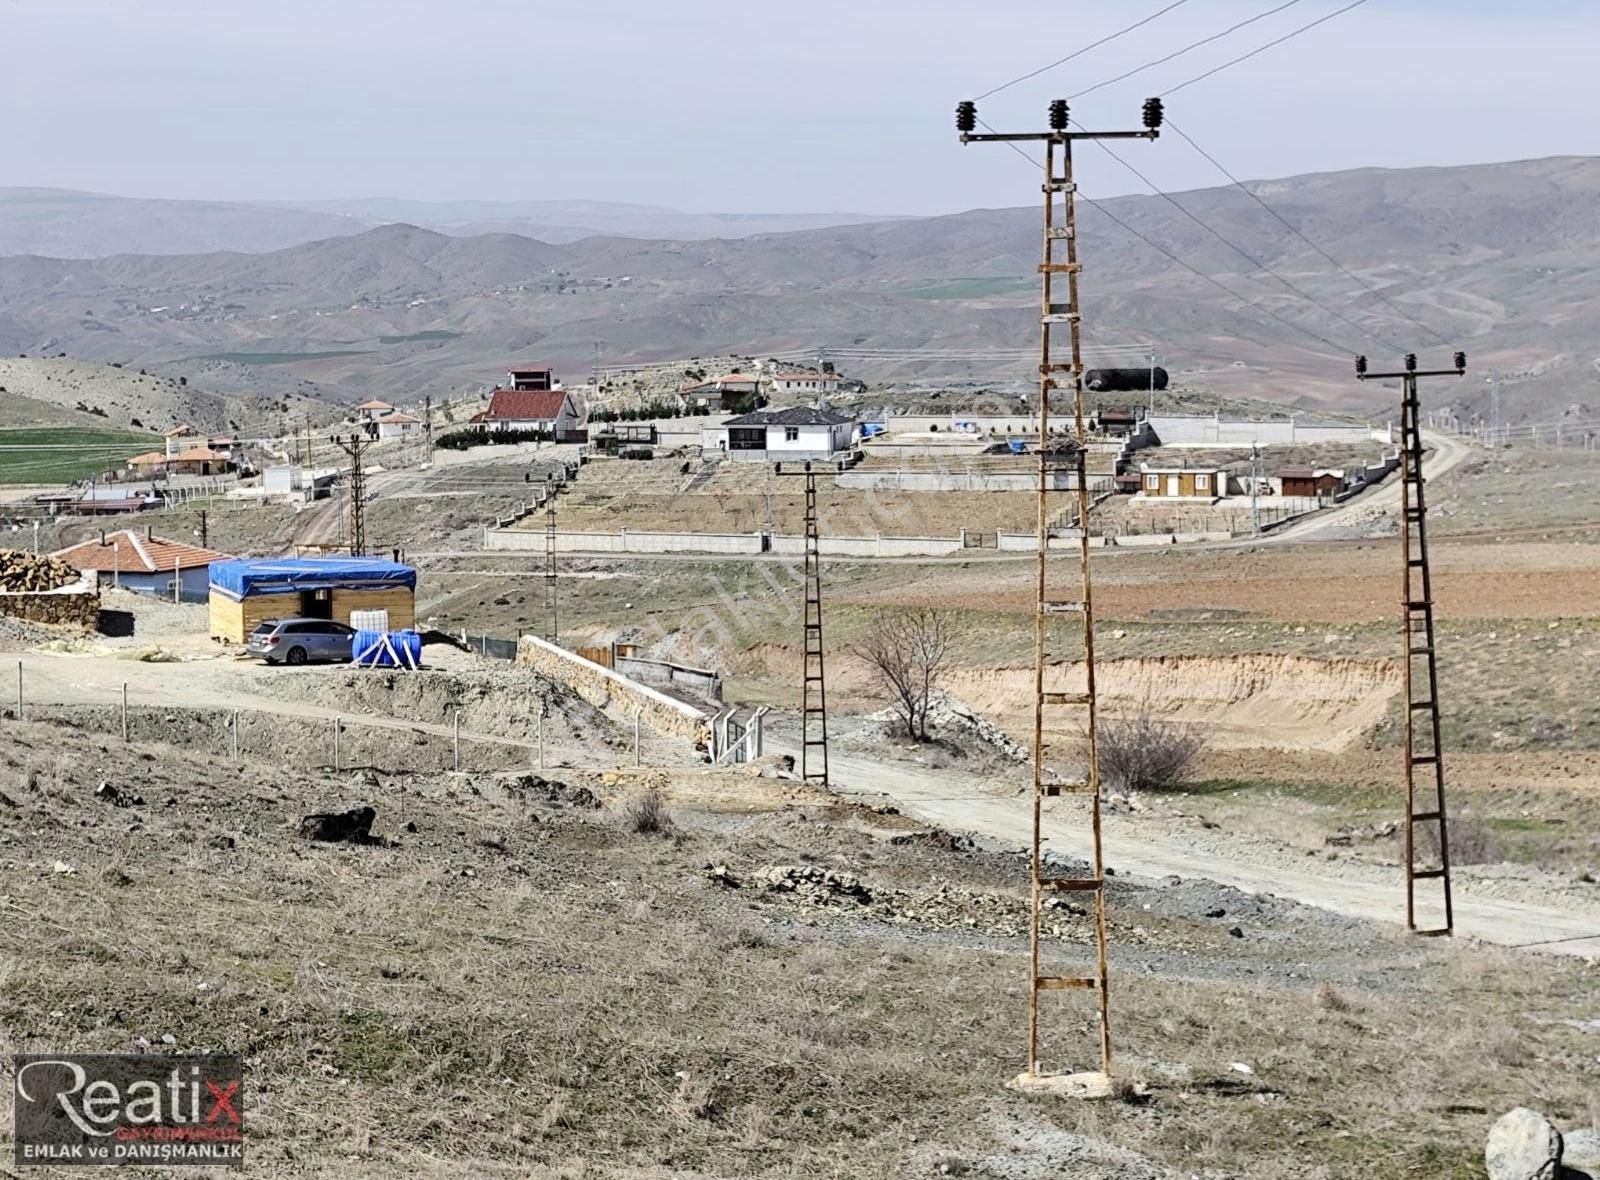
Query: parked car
x=300 y=641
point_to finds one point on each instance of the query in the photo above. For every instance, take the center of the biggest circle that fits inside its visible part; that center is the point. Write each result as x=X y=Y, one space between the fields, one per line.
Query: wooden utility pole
x=1060 y=258
x=1422 y=738
x=355 y=446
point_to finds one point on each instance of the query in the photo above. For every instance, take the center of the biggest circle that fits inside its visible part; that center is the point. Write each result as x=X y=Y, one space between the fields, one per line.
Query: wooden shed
x=1184 y=483
x=1306 y=481
x=248 y=592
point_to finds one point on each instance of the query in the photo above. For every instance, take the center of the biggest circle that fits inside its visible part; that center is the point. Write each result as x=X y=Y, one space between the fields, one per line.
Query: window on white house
x=1202 y=483
x=791 y=434
x=1153 y=482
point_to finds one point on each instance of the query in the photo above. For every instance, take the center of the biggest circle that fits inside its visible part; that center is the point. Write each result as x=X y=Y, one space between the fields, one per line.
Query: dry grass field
x=509 y=985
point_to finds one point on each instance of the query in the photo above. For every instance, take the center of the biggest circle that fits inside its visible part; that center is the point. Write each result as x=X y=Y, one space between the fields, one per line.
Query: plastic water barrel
x=369 y=650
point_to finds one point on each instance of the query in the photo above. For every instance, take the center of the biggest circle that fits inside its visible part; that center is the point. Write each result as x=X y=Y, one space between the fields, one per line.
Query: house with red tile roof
x=529 y=409
x=143 y=562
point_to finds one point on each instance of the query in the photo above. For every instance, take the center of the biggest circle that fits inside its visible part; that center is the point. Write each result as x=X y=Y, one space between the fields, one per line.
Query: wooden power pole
x=1060 y=260
x=1423 y=749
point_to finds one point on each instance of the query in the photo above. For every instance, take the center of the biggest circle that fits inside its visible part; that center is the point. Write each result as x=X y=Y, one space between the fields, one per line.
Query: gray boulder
x=1523 y=1145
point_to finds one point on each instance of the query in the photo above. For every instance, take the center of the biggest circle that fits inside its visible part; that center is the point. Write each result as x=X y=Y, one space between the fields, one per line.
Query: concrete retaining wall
x=1182 y=429
x=955 y=481
x=870 y=546
x=77 y=605
x=702 y=680
x=612 y=691
x=623 y=541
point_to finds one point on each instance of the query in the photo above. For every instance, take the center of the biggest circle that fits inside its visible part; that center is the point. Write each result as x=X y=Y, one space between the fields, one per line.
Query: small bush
x=1144 y=753
x=1472 y=841
x=647 y=814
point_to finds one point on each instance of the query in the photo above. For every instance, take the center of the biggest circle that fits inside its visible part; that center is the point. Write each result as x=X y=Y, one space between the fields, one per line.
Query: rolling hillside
x=1502 y=260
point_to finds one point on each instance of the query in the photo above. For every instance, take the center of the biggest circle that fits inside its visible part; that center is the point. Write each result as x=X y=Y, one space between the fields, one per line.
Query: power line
x=1171 y=257
x=1239 y=250
x=1279 y=41
x=1259 y=200
x=1187 y=48
x=1080 y=52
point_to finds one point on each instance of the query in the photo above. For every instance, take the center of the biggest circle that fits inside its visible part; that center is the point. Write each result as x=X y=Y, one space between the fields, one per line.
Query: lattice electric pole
x=355 y=445
x=813 y=674
x=1422 y=744
x=550 y=631
x=427 y=429
x=1060 y=257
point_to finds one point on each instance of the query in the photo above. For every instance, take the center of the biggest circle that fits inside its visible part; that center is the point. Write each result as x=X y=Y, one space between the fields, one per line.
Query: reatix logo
x=99 y=1108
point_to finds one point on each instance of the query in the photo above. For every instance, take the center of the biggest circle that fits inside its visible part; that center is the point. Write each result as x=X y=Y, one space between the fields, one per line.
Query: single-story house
x=1128 y=483
x=526 y=409
x=803 y=383
x=717 y=392
x=144 y=561
x=1184 y=483
x=1117 y=420
x=535 y=378
x=1307 y=481
x=371 y=411
x=186 y=438
x=193 y=461
x=797 y=432
x=248 y=592
x=397 y=425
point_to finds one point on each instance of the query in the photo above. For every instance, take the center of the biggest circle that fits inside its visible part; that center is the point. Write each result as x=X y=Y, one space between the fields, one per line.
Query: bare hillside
x=1498 y=259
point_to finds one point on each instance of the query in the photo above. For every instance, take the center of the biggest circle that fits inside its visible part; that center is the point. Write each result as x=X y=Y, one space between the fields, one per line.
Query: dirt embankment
x=1282 y=702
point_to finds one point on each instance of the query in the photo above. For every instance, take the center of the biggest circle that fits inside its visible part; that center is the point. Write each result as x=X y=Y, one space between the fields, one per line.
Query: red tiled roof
x=525 y=405
x=148 y=459
x=178 y=431
x=198 y=455
x=374 y=404
x=397 y=417
x=133 y=552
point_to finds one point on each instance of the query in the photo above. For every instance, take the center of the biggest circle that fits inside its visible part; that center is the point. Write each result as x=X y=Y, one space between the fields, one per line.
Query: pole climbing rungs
x=1060 y=268
x=1426 y=874
x=1424 y=759
x=1068 y=787
x=1065 y=698
x=1425 y=816
x=1420 y=604
x=1059 y=185
x=1441 y=933
x=1070 y=884
x=1061 y=983
x=1060 y=367
x=1058 y=233
x=1428 y=704
x=1059 y=317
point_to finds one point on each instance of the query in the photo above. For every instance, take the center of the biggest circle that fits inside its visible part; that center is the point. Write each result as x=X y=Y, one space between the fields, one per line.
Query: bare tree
x=908 y=652
x=1144 y=753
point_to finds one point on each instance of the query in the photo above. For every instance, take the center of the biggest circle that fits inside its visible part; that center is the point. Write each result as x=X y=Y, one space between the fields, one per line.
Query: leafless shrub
x=1472 y=841
x=1330 y=999
x=908 y=652
x=647 y=813
x=1144 y=753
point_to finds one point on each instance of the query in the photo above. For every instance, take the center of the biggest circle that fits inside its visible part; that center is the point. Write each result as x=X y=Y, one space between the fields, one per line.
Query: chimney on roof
x=102 y=536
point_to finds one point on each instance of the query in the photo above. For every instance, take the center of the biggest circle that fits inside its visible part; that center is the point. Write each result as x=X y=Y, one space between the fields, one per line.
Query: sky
x=741 y=106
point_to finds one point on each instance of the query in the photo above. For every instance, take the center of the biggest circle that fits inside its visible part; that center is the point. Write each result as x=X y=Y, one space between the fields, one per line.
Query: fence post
x=336 y=728
x=636 y=761
x=19 y=690
x=457 y=754
x=541 y=739
x=235 y=728
x=124 y=710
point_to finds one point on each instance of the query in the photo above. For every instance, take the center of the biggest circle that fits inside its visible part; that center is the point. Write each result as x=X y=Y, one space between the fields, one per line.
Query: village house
x=804 y=383
x=797 y=432
x=718 y=393
x=1183 y=483
x=550 y=410
x=1117 y=421
x=397 y=425
x=144 y=562
x=186 y=438
x=192 y=461
x=373 y=410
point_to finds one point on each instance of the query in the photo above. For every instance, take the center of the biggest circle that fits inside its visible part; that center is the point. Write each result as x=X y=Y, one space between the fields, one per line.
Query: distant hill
x=1502 y=260
x=63 y=223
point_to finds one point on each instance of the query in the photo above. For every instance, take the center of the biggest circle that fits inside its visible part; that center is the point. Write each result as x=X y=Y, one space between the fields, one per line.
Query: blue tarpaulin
x=280 y=575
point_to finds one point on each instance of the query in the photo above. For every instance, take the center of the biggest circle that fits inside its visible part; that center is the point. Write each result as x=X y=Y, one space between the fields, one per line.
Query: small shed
x=1306 y=481
x=1184 y=483
x=245 y=593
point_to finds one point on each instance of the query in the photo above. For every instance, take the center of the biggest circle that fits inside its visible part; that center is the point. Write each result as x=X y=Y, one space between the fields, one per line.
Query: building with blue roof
x=248 y=592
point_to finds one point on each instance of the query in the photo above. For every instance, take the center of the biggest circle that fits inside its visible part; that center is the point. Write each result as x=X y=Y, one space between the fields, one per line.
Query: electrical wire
x=1262 y=49
x=1080 y=52
x=1239 y=250
x=1259 y=200
x=1187 y=48
x=1171 y=257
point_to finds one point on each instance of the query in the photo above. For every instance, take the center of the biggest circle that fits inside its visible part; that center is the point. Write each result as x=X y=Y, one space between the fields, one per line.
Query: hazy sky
x=745 y=105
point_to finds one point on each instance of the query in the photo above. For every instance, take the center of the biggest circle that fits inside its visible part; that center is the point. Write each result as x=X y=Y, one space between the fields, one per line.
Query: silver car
x=300 y=641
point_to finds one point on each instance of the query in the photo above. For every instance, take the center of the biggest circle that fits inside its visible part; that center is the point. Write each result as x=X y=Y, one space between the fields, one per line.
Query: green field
x=49 y=455
x=279 y=358
x=975 y=287
x=420 y=337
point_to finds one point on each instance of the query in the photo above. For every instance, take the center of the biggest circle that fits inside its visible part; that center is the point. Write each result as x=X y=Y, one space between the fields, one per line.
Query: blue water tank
x=368 y=649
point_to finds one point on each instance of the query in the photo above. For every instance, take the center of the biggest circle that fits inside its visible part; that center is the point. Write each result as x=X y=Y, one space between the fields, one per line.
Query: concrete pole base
x=1087 y=1085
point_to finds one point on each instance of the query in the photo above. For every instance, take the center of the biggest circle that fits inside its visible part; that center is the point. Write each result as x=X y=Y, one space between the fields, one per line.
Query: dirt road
x=960 y=802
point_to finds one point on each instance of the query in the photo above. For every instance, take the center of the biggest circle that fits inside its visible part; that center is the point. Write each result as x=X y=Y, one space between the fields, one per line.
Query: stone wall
x=77 y=605
x=613 y=692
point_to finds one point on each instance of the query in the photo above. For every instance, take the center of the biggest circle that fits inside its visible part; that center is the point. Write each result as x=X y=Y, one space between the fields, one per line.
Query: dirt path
x=960 y=802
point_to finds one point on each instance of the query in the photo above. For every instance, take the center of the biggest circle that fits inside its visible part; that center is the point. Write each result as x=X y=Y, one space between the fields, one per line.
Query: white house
x=798 y=432
x=804 y=383
x=529 y=409
x=398 y=425
x=373 y=410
